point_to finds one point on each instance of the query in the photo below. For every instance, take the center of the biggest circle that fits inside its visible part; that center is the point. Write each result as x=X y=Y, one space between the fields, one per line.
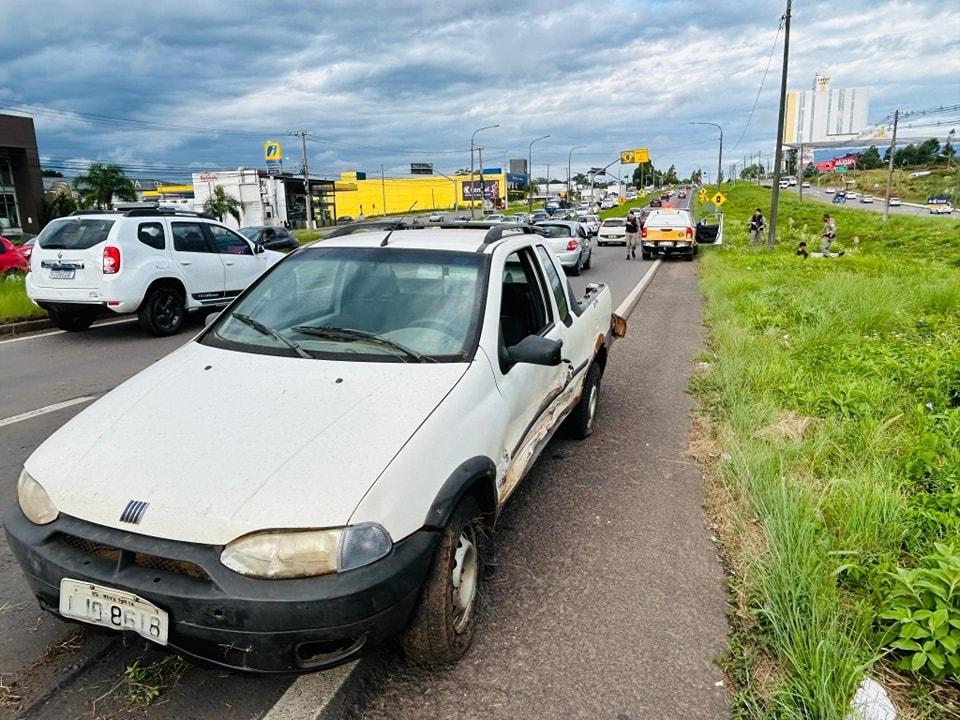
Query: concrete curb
x=25 y=326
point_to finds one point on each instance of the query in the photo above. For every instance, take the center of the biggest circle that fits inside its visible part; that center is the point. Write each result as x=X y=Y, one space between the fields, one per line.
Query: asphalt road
x=815 y=195
x=606 y=597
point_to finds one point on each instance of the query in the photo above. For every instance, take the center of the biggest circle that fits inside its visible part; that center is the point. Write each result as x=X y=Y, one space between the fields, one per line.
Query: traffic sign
x=718 y=199
x=842 y=169
x=702 y=196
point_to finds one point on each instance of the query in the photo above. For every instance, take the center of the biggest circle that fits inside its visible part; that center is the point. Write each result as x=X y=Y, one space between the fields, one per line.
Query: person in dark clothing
x=633 y=228
x=802 y=250
x=757 y=225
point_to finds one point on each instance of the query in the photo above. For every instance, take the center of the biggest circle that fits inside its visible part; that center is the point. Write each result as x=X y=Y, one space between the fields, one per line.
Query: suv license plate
x=111 y=608
x=62 y=274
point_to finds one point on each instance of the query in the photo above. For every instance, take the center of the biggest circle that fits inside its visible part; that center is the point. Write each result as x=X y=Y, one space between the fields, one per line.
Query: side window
x=555 y=284
x=151 y=234
x=523 y=308
x=228 y=242
x=189 y=237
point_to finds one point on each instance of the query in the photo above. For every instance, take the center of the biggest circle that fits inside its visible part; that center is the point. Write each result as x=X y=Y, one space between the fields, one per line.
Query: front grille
x=144 y=560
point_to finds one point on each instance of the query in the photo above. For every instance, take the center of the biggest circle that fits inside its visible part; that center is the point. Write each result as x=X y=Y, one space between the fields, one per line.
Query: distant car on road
x=569 y=242
x=612 y=230
x=435 y=217
x=608 y=203
x=590 y=222
x=520 y=217
x=804 y=184
x=895 y=202
x=12 y=261
x=538 y=216
x=939 y=205
x=829 y=190
x=852 y=194
x=867 y=199
x=344 y=219
x=272 y=238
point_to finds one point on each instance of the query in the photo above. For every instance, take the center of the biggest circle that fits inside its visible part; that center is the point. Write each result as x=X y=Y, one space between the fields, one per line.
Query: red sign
x=825 y=167
x=846 y=160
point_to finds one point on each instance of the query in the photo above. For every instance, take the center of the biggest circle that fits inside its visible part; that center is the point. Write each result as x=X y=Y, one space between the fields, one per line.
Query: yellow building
x=373 y=196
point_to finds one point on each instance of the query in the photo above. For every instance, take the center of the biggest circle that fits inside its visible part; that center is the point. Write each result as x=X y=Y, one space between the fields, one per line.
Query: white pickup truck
x=320 y=468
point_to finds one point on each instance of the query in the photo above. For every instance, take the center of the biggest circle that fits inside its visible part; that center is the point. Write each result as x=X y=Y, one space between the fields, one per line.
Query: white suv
x=157 y=263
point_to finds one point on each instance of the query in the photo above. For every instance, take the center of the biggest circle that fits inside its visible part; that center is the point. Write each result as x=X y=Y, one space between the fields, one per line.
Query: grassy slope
x=14 y=303
x=941 y=181
x=833 y=387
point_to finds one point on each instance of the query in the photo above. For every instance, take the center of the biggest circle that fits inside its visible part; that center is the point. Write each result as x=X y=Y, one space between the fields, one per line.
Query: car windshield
x=74 y=234
x=250 y=233
x=364 y=304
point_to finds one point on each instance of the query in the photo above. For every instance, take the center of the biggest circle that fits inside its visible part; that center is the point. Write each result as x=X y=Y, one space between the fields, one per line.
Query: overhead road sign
x=637 y=155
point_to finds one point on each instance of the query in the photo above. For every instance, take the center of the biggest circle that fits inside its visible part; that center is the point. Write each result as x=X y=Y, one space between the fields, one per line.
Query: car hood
x=223 y=443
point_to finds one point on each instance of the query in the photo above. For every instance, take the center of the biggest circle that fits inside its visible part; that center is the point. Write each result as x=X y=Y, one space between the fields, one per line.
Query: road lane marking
x=61 y=332
x=309 y=695
x=630 y=302
x=44 y=410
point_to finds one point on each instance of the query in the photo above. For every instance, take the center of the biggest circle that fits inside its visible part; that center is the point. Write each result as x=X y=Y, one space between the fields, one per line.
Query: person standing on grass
x=827 y=235
x=633 y=228
x=757 y=225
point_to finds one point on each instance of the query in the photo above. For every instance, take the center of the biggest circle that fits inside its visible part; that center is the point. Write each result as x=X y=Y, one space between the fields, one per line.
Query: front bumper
x=221 y=617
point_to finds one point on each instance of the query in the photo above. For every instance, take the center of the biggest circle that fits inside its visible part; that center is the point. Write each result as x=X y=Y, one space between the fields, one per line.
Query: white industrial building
x=825 y=114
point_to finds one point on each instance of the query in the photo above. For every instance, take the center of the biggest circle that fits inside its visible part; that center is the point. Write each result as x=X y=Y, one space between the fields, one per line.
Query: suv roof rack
x=155 y=212
x=95 y=212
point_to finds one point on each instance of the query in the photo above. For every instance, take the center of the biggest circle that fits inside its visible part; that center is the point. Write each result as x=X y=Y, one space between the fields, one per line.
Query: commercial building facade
x=825 y=114
x=21 y=182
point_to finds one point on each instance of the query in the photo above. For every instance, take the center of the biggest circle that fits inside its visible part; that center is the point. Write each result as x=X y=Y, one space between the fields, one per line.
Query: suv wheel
x=162 y=312
x=445 y=619
x=71 y=321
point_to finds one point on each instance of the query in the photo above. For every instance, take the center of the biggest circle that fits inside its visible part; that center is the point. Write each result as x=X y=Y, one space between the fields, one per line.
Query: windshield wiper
x=350 y=335
x=261 y=328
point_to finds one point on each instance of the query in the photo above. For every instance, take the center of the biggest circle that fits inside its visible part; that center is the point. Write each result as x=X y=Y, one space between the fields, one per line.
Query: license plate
x=111 y=608
x=62 y=274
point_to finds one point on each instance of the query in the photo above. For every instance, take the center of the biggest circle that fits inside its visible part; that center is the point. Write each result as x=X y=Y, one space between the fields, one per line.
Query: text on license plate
x=64 y=274
x=111 y=608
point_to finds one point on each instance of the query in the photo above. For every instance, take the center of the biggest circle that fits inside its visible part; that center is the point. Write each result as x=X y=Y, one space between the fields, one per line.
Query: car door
x=200 y=267
x=241 y=264
x=577 y=344
x=528 y=390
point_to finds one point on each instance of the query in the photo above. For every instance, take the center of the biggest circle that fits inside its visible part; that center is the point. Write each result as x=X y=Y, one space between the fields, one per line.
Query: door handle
x=228 y=262
x=186 y=262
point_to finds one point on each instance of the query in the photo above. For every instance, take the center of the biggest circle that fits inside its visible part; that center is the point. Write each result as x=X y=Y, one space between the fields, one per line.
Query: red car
x=11 y=259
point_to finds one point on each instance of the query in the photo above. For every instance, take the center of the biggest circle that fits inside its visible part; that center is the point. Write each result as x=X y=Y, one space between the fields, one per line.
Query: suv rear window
x=615 y=222
x=69 y=234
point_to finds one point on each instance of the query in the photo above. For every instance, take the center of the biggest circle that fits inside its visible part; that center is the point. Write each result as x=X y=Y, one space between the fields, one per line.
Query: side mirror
x=536 y=350
x=258 y=248
x=210 y=319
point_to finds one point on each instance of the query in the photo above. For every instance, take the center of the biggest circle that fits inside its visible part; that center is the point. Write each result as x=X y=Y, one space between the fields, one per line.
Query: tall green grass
x=864 y=352
x=14 y=303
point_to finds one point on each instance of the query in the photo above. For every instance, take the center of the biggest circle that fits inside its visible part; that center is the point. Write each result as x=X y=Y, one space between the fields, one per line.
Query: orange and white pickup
x=668 y=231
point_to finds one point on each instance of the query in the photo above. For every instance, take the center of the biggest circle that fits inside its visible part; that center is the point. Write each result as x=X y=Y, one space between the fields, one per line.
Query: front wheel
x=444 y=621
x=162 y=312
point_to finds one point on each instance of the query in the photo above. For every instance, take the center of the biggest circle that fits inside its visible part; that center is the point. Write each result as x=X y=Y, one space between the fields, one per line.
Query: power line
x=756 y=100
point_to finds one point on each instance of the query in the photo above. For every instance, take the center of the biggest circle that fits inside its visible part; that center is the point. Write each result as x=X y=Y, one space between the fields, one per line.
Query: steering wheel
x=444 y=326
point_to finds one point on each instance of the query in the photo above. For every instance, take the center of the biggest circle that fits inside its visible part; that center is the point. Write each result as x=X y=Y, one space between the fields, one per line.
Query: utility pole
x=383 y=192
x=800 y=171
x=569 y=157
x=483 y=183
x=306 y=179
x=893 y=150
x=778 y=157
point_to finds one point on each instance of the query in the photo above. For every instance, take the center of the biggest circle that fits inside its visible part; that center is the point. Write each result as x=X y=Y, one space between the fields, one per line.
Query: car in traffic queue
x=435 y=217
x=12 y=260
x=157 y=263
x=570 y=243
x=612 y=231
x=668 y=232
x=538 y=216
x=272 y=238
x=866 y=199
x=895 y=202
x=590 y=222
x=366 y=518
x=939 y=205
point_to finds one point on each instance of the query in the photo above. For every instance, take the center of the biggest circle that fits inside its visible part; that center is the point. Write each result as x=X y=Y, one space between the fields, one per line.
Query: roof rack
x=156 y=212
x=95 y=212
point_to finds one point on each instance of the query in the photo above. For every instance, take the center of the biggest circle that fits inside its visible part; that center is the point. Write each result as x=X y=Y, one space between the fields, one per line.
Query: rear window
x=69 y=234
x=667 y=220
x=615 y=222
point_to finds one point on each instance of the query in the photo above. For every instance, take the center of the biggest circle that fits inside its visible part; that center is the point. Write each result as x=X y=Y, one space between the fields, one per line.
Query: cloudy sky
x=163 y=88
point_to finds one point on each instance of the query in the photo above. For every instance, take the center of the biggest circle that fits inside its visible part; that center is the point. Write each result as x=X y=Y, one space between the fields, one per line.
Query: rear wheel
x=580 y=422
x=71 y=320
x=645 y=255
x=579 y=266
x=443 y=624
x=162 y=312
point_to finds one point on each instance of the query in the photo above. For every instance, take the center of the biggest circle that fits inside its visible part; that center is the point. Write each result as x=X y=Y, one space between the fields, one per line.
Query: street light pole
x=530 y=172
x=720 y=156
x=893 y=150
x=472 y=187
x=569 y=157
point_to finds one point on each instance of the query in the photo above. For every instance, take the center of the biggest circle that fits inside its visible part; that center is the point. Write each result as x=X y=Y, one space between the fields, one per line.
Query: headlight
x=278 y=554
x=34 y=501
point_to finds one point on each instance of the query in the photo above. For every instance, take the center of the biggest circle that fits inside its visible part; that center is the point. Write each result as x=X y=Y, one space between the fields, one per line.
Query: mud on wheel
x=444 y=621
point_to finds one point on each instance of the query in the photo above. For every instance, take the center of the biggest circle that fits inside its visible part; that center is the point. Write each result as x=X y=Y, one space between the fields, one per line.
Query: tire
x=162 y=312
x=576 y=270
x=71 y=321
x=580 y=423
x=444 y=621
x=689 y=256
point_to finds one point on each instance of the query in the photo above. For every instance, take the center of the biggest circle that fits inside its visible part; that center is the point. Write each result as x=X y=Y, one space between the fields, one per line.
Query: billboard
x=518 y=166
x=421 y=168
x=273 y=154
x=491 y=190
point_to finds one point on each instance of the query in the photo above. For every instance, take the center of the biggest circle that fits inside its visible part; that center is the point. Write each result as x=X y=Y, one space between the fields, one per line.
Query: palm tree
x=220 y=204
x=101 y=183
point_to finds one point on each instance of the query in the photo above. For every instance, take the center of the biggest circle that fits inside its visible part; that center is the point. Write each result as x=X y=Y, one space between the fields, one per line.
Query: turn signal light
x=111 y=260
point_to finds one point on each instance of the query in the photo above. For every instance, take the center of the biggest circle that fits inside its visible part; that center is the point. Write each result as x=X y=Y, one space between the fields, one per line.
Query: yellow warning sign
x=702 y=196
x=718 y=199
